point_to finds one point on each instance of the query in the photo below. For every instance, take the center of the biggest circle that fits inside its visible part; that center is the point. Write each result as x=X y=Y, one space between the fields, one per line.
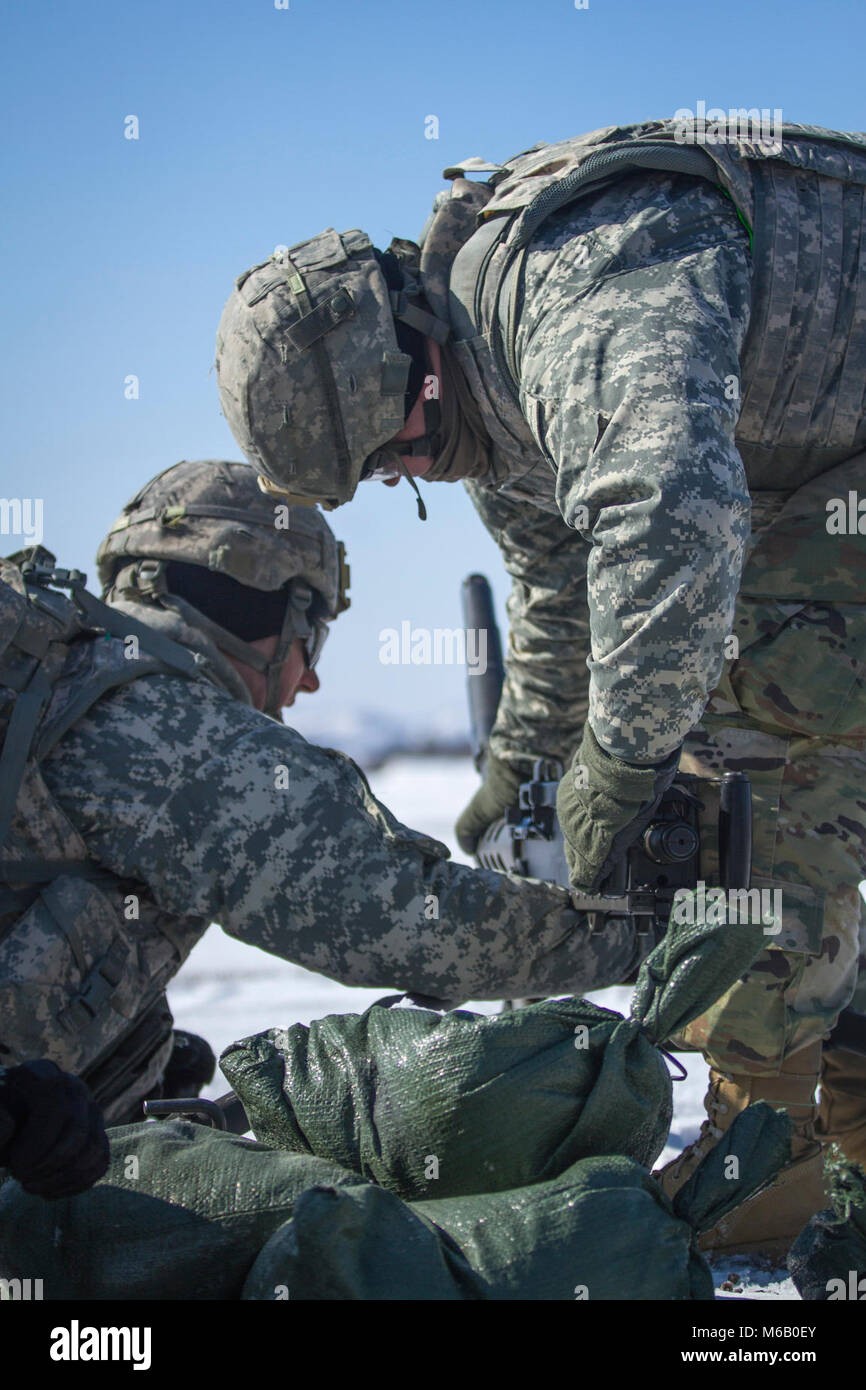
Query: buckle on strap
x=322 y=319
x=416 y=317
x=97 y=988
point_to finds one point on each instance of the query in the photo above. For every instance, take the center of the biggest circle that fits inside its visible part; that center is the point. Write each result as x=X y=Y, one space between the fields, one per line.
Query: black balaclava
x=248 y=613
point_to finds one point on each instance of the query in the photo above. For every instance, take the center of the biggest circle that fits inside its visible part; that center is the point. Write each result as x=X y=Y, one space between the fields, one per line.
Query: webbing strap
x=664 y=156
x=121 y=625
x=322 y=319
x=16 y=745
x=33 y=870
x=172 y=515
x=97 y=987
x=326 y=375
x=416 y=317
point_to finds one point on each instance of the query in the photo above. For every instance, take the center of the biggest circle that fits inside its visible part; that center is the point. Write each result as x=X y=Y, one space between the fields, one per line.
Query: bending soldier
x=628 y=346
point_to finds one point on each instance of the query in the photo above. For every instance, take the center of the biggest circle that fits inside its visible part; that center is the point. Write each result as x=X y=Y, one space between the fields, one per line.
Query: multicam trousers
x=809 y=811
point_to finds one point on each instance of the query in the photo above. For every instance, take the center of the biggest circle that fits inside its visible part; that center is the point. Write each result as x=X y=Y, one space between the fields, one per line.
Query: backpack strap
x=608 y=163
x=26 y=713
x=94 y=618
x=599 y=169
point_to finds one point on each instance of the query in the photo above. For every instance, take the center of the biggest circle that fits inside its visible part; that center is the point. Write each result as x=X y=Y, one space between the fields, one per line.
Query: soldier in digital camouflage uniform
x=644 y=349
x=158 y=797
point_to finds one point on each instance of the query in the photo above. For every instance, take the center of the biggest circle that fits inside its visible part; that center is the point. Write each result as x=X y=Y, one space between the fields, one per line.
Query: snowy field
x=227 y=991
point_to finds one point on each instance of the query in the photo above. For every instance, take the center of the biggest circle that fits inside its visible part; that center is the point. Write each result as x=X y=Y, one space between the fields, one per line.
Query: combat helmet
x=214 y=515
x=312 y=378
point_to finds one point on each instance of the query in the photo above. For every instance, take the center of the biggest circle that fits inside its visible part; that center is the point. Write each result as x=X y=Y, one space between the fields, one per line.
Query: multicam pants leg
x=809 y=812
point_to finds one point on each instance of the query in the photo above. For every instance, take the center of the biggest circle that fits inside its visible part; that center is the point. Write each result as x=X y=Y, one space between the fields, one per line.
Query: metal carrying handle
x=226 y=1113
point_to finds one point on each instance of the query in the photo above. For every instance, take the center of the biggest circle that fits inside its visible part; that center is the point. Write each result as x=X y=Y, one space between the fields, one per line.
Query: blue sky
x=261 y=126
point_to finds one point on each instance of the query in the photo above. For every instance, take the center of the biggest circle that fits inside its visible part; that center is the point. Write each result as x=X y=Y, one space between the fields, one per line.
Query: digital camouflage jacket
x=652 y=350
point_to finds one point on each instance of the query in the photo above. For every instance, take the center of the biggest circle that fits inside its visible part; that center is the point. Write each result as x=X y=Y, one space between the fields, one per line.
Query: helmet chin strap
x=295 y=624
x=425 y=446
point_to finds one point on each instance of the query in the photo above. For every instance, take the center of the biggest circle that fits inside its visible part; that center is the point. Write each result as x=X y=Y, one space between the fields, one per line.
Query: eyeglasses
x=315 y=642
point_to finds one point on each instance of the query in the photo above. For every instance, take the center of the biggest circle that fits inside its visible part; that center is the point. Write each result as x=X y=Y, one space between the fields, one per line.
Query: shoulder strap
x=610 y=162
x=26 y=714
x=599 y=169
x=94 y=618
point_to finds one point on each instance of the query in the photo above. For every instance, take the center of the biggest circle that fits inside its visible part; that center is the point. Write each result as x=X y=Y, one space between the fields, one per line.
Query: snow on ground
x=227 y=990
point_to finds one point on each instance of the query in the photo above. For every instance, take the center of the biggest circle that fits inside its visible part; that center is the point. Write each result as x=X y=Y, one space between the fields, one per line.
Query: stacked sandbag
x=603 y=1230
x=182 y=1213
x=487 y=1103
x=828 y=1259
x=521 y=1140
x=186 y=1212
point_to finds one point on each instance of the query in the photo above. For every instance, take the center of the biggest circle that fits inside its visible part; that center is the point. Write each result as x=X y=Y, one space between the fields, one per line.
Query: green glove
x=497 y=792
x=603 y=805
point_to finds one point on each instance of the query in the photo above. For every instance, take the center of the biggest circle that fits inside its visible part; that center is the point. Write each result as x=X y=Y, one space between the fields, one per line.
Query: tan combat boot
x=768 y=1223
x=842 y=1112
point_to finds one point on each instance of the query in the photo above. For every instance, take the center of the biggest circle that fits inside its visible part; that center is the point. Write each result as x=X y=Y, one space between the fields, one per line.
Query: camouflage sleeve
x=545 y=696
x=227 y=815
x=634 y=312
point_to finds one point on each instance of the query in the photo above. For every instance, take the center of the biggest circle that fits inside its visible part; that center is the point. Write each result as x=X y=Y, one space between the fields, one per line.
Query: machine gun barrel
x=485 y=687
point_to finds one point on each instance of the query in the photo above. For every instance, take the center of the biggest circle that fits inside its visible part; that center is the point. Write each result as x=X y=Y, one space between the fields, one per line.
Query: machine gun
x=527 y=841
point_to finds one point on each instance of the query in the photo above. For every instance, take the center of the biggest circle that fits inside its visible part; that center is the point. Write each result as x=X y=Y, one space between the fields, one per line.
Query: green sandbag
x=828 y=1259
x=601 y=1230
x=372 y=1246
x=189 y=1226
x=450 y=1105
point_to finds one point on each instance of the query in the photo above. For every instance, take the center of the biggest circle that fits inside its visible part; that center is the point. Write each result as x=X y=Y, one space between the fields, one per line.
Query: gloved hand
x=497 y=792
x=52 y=1136
x=603 y=805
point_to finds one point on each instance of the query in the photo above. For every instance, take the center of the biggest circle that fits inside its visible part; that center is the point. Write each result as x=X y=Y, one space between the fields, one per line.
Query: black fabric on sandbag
x=832 y=1246
x=499 y=1101
x=188 y=1227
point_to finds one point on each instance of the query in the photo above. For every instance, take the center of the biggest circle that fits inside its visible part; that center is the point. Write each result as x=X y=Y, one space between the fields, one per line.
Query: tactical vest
x=804 y=359
x=84 y=956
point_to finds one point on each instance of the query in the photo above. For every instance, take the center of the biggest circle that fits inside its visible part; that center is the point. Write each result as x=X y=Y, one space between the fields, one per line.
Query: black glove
x=52 y=1136
x=497 y=792
x=603 y=805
